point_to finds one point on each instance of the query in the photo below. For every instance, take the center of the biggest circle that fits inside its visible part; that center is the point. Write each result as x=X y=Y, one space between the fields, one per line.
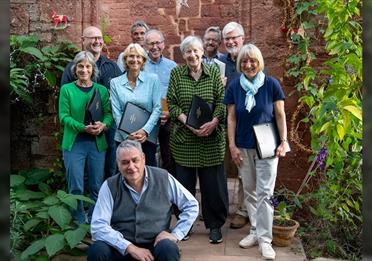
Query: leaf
x=51 y=200
x=70 y=201
x=54 y=243
x=35 y=247
x=357 y=112
x=33 y=51
x=16 y=180
x=60 y=215
x=31 y=223
x=340 y=131
x=44 y=188
x=73 y=237
x=43 y=215
x=325 y=126
x=42 y=258
x=51 y=78
x=26 y=194
x=35 y=176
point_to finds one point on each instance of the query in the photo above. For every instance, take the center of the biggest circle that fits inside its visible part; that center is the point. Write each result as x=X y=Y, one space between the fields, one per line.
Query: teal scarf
x=251 y=88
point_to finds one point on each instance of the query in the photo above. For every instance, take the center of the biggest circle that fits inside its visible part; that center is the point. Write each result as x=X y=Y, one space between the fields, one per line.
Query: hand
x=141 y=254
x=164 y=117
x=224 y=80
x=139 y=136
x=92 y=129
x=100 y=127
x=282 y=149
x=235 y=155
x=207 y=128
x=164 y=235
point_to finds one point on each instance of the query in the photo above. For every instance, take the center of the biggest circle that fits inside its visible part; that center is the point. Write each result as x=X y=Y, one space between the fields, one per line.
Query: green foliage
x=333 y=96
x=32 y=65
x=40 y=216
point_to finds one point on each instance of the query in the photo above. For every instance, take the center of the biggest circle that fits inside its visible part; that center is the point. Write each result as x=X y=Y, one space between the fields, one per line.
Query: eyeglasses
x=154 y=43
x=233 y=38
x=97 y=38
x=211 y=40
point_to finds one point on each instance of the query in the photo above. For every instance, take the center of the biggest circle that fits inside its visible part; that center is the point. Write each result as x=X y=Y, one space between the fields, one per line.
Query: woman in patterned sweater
x=199 y=151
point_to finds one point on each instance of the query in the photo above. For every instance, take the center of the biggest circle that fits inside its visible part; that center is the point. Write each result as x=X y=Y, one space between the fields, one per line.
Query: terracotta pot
x=283 y=235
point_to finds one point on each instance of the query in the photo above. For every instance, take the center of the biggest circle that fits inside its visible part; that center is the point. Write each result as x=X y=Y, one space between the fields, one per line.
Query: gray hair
x=229 y=27
x=154 y=31
x=81 y=56
x=191 y=40
x=214 y=29
x=128 y=145
x=251 y=51
x=138 y=23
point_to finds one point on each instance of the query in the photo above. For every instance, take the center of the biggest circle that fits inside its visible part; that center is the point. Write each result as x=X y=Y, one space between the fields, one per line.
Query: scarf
x=251 y=88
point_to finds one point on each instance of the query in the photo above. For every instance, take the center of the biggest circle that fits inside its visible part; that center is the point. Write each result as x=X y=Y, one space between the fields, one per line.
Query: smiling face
x=210 y=42
x=93 y=40
x=249 y=66
x=133 y=61
x=138 y=35
x=233 y=42
x=154 y=45
x=193 y=57
x=83 y=71
x=131 y=164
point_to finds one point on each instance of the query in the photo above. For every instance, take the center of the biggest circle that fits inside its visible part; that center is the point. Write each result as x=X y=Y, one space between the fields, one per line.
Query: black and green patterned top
x=188 y=149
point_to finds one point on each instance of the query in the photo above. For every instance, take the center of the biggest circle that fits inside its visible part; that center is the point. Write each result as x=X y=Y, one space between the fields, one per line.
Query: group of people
x=135 y=199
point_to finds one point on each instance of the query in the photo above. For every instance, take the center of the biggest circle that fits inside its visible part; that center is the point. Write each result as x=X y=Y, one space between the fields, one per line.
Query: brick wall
x=261 y=20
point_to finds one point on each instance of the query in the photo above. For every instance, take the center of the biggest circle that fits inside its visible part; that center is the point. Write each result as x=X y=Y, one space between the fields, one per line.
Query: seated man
x=131 y=219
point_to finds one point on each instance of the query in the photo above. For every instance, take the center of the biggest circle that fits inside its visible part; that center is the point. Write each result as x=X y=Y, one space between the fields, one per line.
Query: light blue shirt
x=101 y=228
x=120 y=63
x=162 y=69
x=146 y=94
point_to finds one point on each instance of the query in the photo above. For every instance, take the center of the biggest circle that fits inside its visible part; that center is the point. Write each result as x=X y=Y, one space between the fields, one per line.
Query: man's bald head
x=93 y=40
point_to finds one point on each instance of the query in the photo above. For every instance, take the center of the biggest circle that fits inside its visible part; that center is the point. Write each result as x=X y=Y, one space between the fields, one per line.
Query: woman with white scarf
x=251 y=99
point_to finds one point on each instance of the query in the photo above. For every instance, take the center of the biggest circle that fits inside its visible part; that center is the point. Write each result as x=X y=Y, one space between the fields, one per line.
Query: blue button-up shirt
x=101 y=228
x=146 y=94
x=162 y=69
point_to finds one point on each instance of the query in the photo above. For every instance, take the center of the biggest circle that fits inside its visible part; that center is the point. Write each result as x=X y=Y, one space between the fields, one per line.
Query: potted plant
x=284 y=227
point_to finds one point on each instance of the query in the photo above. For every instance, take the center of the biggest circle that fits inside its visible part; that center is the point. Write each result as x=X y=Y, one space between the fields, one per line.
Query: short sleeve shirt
x=263 y=112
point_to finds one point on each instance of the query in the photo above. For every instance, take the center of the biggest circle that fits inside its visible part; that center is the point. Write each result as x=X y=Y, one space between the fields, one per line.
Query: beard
x=233 y=50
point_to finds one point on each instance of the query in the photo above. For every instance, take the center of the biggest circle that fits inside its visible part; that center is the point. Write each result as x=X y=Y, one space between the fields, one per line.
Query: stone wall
x=261 y=20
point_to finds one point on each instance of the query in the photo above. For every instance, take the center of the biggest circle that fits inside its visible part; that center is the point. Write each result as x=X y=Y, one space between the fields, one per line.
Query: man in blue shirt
x=233 y=39
x=131 y=219
x=211 y=43
x=162 y=67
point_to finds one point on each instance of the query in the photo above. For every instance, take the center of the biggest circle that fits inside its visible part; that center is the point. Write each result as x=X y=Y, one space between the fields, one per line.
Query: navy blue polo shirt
x=263 y=112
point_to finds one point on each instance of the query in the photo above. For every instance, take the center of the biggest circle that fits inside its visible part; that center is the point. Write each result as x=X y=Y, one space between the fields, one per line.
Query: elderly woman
x=83 y=145
x=199 y=151
x=141 y=88
x=251 y=99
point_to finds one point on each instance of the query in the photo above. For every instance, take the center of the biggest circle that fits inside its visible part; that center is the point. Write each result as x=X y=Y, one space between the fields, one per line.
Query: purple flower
x=320 y=158
x=274 y=201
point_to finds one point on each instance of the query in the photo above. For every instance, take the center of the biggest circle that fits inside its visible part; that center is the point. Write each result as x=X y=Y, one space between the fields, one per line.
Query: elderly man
x=93 y=41
x=131 y=219
x=211 y=43
x=162 y=67
x=137 y=33
x=233 y=39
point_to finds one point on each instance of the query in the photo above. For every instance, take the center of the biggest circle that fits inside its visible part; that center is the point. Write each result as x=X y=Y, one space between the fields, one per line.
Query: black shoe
x=215 y=236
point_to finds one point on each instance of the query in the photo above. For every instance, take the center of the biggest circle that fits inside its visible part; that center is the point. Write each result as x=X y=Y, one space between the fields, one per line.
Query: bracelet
x=283 y=140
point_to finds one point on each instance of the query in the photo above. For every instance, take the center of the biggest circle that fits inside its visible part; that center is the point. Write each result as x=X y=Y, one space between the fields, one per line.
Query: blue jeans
x=165 y=250
x=110 y=161
x=84 y=153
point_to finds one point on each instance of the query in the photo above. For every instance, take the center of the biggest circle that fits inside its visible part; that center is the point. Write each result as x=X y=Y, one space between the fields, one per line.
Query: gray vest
x=143 y=222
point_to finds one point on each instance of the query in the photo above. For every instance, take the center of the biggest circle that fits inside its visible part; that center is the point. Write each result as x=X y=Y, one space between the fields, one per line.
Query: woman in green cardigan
x=83 y=145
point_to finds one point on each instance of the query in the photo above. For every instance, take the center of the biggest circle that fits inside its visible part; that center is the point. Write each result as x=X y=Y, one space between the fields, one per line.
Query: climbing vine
x=331 y=89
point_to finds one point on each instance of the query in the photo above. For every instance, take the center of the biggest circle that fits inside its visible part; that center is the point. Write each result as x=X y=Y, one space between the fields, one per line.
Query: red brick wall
x=261 y=20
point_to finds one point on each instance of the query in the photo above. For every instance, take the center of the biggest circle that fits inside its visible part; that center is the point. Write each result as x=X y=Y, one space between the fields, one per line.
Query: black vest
x=143 y=222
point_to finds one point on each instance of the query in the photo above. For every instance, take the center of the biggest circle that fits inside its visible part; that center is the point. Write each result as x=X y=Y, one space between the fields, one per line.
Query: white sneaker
x=249 y=241
x=267 y=251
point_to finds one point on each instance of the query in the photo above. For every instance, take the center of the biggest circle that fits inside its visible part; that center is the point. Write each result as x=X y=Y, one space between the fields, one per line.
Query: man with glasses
x=211 y=43
x=233 y=39
x=93 y=42
x=137 y=33
x=162 y=67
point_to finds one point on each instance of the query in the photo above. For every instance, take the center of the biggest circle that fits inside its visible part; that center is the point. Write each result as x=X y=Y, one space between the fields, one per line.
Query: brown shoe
x=238 y=221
